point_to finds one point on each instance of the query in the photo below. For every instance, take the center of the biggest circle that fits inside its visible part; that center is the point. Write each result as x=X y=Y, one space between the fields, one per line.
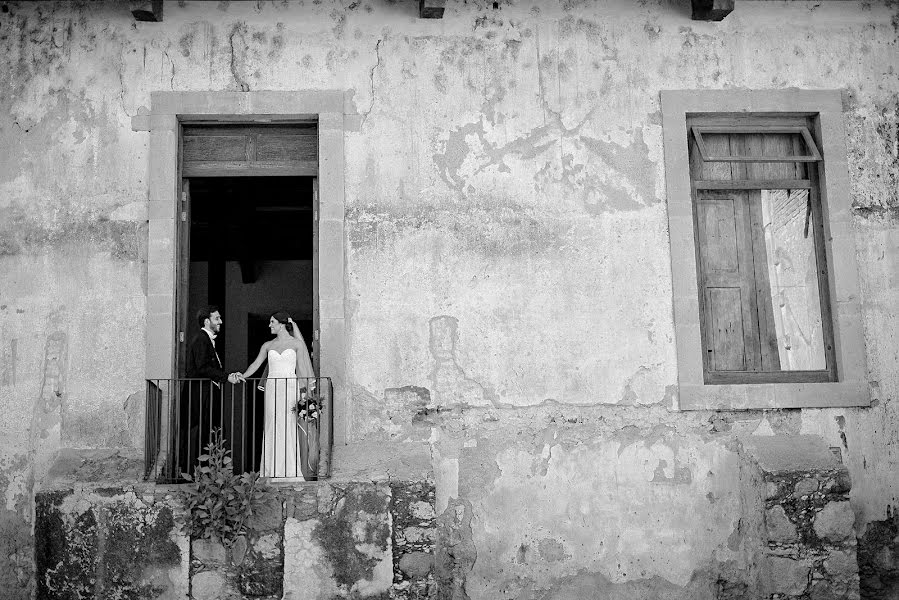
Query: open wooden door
x=316 y=328
x=182 y=293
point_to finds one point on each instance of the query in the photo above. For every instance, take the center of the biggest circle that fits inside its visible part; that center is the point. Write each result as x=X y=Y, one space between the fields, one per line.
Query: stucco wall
x=507 y=250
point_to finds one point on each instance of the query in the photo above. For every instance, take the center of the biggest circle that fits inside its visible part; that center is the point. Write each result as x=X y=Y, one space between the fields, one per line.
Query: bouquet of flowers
x=308 y=409
x=308 y=403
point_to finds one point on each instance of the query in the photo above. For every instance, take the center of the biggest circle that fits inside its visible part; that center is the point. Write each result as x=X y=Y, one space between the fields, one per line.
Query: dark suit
x=200 y=404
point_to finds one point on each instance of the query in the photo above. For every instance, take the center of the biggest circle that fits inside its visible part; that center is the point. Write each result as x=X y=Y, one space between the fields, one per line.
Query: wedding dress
x=280 y=443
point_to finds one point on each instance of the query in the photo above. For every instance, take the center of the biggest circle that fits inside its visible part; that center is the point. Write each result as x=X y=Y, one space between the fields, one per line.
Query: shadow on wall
x=878 y=558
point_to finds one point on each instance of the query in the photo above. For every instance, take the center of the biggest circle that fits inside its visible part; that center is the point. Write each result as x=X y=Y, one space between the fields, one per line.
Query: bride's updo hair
x=281 y=317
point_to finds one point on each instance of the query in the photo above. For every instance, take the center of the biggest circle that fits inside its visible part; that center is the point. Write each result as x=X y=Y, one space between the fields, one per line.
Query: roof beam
x=711 y=10
x=146 y=10
x=431 y=9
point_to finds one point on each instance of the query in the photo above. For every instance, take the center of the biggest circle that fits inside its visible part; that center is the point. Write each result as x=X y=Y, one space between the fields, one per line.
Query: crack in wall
x=172 y=78
x=239 y=28
x=371 y=77
x=122 y=87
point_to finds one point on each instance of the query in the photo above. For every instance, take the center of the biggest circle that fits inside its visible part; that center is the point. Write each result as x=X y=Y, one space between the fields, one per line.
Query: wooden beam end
x=146 y=10
x=711 y=10
x=431 y=9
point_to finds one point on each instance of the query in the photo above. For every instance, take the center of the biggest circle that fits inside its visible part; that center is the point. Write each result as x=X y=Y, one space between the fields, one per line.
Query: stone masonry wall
x=811 y=540
x=810 y=544
x=315 y=541
x=108 y=543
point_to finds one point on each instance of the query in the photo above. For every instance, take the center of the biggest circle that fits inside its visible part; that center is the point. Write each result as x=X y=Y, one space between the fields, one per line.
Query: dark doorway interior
x=251 y=254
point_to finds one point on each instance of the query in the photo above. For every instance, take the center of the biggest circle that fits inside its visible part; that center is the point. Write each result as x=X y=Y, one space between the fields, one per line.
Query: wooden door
x=182 y=293
x=739 y=332
x=316 y=325
x=727 y=282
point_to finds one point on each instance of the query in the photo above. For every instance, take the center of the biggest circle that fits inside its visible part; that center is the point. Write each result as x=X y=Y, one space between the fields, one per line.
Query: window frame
x=696 y=127
x=824 y=107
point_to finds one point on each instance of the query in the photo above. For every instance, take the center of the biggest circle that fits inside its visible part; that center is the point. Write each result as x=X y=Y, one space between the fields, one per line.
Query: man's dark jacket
x=202 y=360
x=200 y=404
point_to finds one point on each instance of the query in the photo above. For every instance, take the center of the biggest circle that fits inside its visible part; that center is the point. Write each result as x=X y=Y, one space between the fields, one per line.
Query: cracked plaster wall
x=507 y=250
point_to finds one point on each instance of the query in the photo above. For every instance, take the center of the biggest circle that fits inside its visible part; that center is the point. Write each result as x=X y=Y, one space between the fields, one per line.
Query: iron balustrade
x=293 y=440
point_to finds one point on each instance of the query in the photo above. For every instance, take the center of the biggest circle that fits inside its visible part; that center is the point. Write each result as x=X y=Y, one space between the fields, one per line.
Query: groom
x=200 y=405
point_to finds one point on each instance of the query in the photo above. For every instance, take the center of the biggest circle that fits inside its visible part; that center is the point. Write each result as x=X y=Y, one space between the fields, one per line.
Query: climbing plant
x=222 y=501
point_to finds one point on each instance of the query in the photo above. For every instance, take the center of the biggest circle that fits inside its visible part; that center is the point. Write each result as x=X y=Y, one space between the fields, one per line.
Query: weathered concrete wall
x=509 y=294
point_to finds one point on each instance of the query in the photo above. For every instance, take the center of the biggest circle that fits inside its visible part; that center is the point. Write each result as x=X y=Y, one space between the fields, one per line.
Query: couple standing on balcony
x=288 y=360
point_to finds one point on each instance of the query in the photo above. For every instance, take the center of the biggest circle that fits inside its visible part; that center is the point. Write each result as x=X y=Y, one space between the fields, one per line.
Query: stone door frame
x=168 y=110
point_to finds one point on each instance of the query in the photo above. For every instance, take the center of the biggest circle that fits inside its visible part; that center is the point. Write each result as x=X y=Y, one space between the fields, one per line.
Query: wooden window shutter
x=727 y=282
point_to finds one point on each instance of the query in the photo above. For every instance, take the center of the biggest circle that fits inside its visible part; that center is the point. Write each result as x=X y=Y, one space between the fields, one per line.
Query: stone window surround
x=851 y=388
x=168 y=110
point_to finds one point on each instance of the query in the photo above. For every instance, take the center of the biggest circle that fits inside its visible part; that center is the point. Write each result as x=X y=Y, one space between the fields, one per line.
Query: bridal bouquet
x=308 y=403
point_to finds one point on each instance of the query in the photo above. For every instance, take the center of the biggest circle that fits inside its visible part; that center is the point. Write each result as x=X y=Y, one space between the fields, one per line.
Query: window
x=764 y=276
x=761 y=269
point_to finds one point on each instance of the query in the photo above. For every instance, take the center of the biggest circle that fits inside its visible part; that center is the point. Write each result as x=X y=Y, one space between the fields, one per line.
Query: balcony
x=281 y=428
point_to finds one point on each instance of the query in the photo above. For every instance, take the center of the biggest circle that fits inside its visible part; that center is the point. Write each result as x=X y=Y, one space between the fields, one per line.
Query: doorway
x=251 y=255
x=247 y=245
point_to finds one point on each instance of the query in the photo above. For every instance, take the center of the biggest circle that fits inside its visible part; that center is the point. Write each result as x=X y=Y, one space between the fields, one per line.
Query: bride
x=288 y=359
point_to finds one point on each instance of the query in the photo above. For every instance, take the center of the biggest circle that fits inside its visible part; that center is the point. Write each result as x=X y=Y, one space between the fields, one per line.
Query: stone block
x=209 y=585
x=106 y=543
x=261 y=578
x=267 y=546
x=823 y=590
x=302 y=504
x=835 y=522
x=417 y=564
x=423 y=510
x=791 y=453
x=839 y=484
x=267 y=515
x=780 y=529
x=261 y=572
x=209 y=552
x=356 y=538
x=841 y=564
x=305 y=571
x=788 y=576
x=239 y=550
x=805 y=486
x=773 y=490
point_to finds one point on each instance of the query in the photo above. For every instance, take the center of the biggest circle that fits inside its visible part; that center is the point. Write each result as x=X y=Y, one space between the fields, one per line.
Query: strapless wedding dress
x=280 y=444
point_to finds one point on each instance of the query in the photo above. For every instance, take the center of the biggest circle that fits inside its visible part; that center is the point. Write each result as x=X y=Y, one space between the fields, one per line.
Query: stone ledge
x=791 y=454
x=382 y=461
x=105 y=467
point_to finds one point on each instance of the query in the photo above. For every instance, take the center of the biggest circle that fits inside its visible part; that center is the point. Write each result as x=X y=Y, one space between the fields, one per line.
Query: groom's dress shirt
x=212 y=337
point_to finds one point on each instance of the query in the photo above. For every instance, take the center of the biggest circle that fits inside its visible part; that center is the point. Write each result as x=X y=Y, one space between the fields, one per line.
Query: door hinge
x=315 y=335
x=184 y=196
x=181 y=336
x=183 y=216
x=315 y=215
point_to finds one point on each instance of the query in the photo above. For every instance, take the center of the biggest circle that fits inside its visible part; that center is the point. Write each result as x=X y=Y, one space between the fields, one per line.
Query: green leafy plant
x=222 y=501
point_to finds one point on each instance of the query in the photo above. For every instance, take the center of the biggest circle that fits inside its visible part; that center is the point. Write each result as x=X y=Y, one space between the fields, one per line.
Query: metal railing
x=279 y=427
